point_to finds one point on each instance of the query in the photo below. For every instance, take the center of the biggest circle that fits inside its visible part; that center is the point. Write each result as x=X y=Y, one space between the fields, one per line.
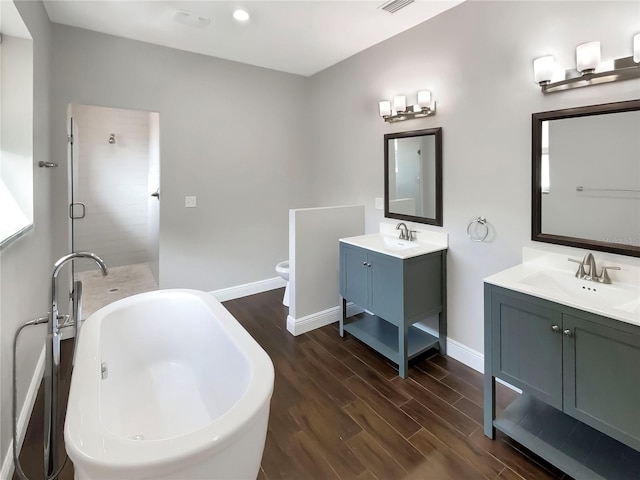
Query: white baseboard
x=458 y=351
x=298 y=326
x=470 y=357
x=238 y=291
x=23 y=419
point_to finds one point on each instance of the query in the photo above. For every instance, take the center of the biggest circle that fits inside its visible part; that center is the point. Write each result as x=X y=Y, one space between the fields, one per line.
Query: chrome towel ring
x=480 y=232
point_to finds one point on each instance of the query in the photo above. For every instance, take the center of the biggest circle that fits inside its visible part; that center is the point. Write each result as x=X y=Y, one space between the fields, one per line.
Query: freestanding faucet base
x=52 y=364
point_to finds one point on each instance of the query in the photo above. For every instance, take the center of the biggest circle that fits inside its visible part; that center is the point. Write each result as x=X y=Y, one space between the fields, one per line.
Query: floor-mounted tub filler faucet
x=52 y=365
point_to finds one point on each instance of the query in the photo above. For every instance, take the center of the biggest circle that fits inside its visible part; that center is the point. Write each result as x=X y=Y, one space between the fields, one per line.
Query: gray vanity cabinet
x=394 y=293
x=580 y=377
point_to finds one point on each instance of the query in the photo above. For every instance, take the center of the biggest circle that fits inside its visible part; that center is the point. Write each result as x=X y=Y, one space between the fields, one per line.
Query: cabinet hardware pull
x=364 y=264
x=555 y=328
x=568 y=333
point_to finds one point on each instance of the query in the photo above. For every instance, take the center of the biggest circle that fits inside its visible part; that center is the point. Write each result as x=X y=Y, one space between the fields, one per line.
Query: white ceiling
x=295 y=36
x=11 y=22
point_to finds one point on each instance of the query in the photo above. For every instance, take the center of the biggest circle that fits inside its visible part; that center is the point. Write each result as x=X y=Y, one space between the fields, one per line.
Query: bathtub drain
x=137 y=437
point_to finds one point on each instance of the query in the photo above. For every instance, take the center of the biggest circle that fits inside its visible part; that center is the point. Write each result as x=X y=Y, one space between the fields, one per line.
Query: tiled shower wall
x=113 y=182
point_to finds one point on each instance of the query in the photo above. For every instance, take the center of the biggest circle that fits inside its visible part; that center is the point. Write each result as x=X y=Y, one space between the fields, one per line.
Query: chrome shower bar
x=580 y=188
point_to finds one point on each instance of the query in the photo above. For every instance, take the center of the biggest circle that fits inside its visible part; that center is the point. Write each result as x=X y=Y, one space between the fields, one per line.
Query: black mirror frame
x=437 y=221
x=536 y=177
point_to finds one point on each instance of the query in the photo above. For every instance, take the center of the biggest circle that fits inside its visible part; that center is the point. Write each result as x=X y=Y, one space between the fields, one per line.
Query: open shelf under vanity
x=569 y=444
x=382 y=336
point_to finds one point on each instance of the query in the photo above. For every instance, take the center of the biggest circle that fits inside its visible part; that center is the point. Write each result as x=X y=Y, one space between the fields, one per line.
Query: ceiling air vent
x=394 y=5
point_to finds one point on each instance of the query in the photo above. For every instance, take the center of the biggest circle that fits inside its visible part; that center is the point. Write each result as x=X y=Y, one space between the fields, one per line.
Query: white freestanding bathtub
x=167 y=385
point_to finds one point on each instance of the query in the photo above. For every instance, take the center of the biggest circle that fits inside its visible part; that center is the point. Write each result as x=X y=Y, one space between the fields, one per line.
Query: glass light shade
x=588 y=57
x=636 y=48
x=424 y=99
x=606 y=66
x=399 y=103
x=543 y=68
x=241 y=15
x=385 y=108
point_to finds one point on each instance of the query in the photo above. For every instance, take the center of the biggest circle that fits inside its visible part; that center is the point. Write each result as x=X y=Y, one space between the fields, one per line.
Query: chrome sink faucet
x=592 y=275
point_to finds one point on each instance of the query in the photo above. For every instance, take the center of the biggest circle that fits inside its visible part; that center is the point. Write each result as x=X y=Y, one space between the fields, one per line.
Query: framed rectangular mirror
x=586 y=177
x=413 y=176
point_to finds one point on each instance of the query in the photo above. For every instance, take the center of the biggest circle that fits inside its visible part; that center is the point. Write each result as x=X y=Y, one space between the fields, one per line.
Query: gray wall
x=477 y=60
x=231 y=134
x=25 y=265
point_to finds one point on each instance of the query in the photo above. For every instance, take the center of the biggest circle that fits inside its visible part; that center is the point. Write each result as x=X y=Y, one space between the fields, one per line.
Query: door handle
x=72 y=210
x=156 y=194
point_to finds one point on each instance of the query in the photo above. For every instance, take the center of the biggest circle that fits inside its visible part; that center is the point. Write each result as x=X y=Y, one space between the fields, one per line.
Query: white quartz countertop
x=620 y=301
x=391 y=245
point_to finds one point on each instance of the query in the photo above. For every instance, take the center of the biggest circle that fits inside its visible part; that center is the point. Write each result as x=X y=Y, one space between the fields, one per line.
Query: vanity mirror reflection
x=586 y=177
x=413 y=176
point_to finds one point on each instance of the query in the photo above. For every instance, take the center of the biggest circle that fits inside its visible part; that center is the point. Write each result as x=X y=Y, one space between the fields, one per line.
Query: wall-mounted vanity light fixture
x=591 y=70
x=398 y=110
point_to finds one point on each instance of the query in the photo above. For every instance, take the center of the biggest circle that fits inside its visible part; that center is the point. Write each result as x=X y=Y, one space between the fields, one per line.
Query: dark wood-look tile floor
x=340 y=411
x=32 y=454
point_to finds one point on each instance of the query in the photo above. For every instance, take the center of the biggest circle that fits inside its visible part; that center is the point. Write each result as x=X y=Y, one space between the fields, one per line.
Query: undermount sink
x=562 y=284
x=397 y=244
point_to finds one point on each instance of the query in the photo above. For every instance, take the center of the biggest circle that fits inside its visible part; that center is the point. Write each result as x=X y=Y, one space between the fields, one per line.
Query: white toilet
x=282 y=269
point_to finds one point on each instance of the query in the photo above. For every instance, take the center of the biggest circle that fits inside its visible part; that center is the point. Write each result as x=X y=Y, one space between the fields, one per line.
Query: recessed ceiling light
x=241 y=15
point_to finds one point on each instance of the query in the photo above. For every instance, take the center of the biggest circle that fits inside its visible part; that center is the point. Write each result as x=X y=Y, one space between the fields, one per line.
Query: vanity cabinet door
x=354 y=284
x=387 y=299
x=527 y=347
x=602 y=377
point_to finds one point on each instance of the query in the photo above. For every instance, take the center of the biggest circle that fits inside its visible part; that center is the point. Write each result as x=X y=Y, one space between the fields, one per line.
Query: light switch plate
x=190 y=202
x=379 y=204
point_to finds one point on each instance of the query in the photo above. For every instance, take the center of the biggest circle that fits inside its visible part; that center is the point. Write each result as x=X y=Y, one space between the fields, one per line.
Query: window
x=545 y=179
x=16 y=124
